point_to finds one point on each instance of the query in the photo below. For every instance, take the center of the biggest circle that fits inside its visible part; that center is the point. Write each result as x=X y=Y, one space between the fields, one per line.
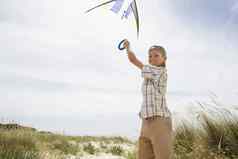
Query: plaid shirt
x=154 y=89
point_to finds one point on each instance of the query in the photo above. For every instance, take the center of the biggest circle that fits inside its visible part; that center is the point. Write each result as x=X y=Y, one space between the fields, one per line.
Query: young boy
x=156 y=139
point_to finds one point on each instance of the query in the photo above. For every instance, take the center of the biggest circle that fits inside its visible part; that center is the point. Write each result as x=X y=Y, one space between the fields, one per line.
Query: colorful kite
x=117 y=7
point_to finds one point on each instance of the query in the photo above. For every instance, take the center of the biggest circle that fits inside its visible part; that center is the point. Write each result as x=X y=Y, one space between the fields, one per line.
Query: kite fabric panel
x=117 y=7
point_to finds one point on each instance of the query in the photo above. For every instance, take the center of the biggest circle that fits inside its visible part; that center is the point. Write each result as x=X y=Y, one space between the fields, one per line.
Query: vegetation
x=214 y=137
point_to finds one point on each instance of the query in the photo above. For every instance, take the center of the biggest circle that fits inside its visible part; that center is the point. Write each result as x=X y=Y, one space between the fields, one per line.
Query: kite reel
x=120 y=47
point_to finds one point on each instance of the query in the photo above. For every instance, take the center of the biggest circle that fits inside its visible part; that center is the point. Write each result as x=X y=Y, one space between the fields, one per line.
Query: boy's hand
x=126 y=44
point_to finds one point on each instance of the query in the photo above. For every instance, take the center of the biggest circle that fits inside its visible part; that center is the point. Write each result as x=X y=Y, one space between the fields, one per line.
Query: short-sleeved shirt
x=154 y=88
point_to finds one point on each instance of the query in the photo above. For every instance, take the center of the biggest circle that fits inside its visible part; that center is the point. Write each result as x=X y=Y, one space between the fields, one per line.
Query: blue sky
x=56 y=61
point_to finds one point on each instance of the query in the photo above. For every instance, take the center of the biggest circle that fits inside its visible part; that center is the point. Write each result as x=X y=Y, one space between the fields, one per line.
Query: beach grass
x=215 y=136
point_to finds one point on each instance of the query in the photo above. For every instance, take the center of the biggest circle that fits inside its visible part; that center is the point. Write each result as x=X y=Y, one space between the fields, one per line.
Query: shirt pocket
x=149 y=73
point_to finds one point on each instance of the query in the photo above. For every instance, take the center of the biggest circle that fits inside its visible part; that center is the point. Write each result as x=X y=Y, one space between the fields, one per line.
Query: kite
x=117 y=7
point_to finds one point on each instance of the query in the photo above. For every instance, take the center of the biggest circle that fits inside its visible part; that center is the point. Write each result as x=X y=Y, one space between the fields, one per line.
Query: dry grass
x=215 y=137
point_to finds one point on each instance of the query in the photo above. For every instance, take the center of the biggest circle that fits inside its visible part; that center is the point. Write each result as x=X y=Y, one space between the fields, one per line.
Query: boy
x=155 y=141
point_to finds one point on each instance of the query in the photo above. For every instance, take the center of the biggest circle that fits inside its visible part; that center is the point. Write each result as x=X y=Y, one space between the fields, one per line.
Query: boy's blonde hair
x=161 y=50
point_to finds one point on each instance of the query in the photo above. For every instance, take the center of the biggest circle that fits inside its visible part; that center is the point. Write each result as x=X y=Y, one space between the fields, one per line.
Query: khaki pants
x=156 y=139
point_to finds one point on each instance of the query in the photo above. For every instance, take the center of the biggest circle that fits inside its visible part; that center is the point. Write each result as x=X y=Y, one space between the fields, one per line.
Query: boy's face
x=156 y=58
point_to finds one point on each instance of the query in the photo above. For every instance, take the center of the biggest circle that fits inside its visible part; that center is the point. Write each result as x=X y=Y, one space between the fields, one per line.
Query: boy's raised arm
x=131 y=56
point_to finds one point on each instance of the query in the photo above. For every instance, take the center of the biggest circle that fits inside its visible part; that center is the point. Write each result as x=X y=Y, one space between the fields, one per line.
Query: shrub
x=116 y=150
x=89 y=148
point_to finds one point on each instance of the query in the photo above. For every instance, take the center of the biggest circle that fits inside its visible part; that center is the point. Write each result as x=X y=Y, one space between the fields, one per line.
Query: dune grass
x=214 y=137
x=27 y=144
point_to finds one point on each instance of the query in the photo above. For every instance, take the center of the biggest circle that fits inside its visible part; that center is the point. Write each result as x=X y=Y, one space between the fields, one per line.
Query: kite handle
x=119 y=46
